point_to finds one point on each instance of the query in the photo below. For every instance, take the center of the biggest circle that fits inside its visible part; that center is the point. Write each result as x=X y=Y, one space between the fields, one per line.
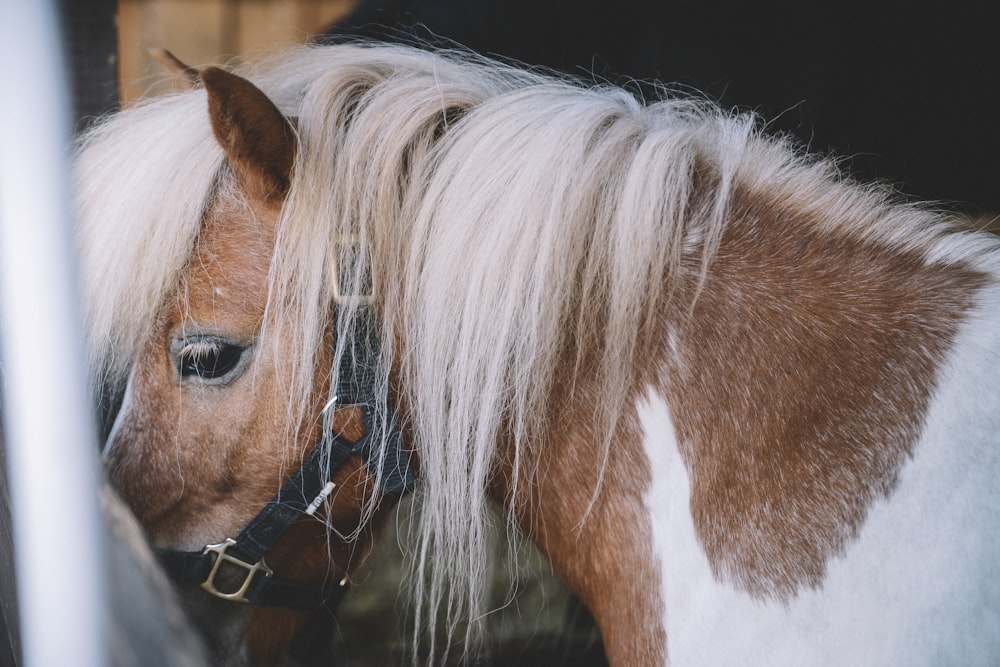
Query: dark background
x=907 y=91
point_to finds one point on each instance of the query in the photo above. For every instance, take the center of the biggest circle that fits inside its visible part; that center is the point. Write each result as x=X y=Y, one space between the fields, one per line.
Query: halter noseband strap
x=305 y=492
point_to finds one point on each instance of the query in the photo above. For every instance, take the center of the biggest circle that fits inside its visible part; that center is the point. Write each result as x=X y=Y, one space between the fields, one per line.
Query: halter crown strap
x=359 y=378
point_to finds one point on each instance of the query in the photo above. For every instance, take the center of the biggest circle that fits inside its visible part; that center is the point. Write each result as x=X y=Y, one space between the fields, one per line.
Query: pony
x=747 y=407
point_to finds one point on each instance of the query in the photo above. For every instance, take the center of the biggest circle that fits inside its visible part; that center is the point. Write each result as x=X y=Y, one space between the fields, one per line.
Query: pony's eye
x=208 y=359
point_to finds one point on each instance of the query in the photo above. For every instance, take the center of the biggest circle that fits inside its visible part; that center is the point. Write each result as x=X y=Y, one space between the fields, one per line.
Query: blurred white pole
x=51 y=442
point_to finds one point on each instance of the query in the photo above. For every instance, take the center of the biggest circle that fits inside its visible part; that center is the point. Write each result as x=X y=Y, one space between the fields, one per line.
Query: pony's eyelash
x=209 y=359
x=200 y=349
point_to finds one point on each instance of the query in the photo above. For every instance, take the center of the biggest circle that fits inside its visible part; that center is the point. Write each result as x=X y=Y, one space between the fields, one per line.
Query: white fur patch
x=918 y=587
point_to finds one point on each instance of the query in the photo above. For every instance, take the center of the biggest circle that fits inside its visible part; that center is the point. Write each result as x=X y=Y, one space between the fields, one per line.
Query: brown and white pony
x=748 y=409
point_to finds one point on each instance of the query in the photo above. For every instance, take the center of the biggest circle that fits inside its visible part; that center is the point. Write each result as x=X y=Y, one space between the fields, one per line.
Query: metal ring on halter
x=340 y=296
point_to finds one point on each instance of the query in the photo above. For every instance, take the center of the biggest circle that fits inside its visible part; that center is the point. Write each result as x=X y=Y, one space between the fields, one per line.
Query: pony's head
x=205 y=435
x=194 y=428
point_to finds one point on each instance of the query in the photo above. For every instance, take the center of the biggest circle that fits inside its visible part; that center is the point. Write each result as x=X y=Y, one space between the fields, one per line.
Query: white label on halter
x=318 y=500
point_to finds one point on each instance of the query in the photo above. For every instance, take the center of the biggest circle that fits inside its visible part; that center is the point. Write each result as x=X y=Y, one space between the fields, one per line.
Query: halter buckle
x=251 y=569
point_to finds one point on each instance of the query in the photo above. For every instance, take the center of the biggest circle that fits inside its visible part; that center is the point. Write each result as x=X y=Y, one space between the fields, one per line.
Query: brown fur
x=800 y=387
x=605 y=557
x=230 y=301
x=607 y=560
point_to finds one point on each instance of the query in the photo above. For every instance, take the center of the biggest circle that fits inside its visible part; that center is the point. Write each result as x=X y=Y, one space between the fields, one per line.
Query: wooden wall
x=203 y=32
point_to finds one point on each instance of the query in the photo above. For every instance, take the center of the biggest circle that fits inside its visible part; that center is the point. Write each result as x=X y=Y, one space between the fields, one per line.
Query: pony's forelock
x=143 y=180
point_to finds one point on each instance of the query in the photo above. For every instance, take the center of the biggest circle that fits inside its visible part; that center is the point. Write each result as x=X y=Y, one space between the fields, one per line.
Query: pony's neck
x=601 y=545
x=798 y=383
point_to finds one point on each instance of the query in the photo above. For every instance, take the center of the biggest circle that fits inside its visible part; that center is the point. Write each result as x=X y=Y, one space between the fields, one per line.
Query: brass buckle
x=339 y=296
x=251 y=570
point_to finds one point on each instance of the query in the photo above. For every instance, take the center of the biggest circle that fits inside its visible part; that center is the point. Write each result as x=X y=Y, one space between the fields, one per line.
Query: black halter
x=304 y=493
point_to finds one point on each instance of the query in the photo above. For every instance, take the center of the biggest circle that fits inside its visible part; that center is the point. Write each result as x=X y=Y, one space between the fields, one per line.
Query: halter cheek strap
x=303 y=494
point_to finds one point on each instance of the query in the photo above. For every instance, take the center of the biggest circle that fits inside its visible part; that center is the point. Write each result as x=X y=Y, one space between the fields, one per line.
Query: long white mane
x=510 y=218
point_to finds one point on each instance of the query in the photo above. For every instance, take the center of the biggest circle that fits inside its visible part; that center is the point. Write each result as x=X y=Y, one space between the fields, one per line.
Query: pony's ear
x=257 y=139
x=185 y=75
